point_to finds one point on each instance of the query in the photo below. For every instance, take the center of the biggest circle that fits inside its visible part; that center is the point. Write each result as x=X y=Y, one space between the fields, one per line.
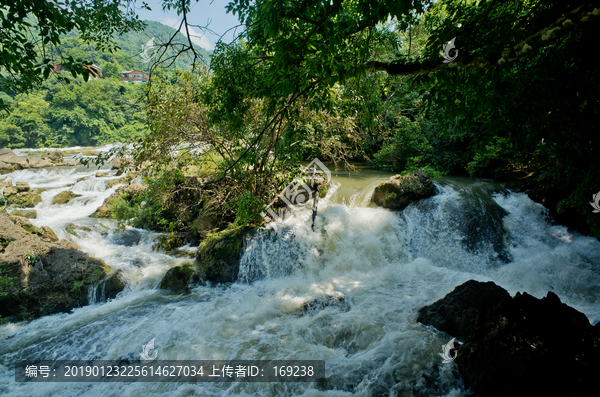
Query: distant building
x=95 y=70
x=134 y=75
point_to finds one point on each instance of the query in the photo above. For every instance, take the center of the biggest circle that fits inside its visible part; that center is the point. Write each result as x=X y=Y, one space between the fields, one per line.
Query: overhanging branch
x=568 y=22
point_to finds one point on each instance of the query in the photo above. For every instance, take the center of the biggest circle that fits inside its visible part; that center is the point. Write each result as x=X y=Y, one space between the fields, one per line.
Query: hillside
x=131 y=45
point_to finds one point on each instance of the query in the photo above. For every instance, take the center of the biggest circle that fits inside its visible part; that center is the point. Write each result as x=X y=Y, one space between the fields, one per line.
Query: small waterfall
x=346 y=292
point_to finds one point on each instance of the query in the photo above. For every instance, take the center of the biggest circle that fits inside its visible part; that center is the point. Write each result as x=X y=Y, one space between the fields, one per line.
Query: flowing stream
x=385 y=264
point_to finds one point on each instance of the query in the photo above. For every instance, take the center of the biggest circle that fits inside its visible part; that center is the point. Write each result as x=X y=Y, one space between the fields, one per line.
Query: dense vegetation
x=96 y=112
x=364 y=81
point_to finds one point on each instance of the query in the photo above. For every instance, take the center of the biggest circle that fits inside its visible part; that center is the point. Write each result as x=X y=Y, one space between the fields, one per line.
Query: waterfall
x=347 y=292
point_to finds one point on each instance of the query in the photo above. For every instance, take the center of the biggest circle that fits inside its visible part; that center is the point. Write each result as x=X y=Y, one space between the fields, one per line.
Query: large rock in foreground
x=457 y=313
x=399 y=191
x=7 y=156
x=520 y=346
x=49 y=276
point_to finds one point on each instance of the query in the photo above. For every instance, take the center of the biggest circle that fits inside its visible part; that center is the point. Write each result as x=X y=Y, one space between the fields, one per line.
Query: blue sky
x=201 y=13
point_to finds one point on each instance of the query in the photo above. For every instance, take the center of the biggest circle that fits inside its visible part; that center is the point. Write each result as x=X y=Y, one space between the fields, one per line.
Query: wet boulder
x=110 y=287
x=179 y=279
x=31 y=214
x=335 y=300
x=47 y=276
x=523 y=346
x=72 y=229
x=457 y=313
x=399 y=191
x=20 y=195
x=128 y=238
x=64 y=197
x=219 y=254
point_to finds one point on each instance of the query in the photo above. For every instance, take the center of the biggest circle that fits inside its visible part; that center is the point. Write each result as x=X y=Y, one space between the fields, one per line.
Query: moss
x=220 y=253
x=64 y=197
x=169 y=242
x=178 y=279
x=24 y=199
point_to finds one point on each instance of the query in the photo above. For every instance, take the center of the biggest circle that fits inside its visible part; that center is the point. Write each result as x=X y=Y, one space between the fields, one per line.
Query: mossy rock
x=64 y=197
x=169 y=242
x=112 y=285
x=400 y=191
x=31 y=214
x=25 y=199
x=219 y=254
x=71 y=229
x=179 y=278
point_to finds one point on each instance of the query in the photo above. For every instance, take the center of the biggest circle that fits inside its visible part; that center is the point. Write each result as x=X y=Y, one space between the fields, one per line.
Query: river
x=385 y=264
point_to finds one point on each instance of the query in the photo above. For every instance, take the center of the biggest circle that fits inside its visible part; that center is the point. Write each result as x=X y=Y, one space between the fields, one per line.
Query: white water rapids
x=387 y=265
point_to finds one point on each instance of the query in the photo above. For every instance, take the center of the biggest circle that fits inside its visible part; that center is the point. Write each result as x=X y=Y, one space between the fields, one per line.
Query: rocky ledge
x=399 y=191
x=519 y=346
x=10 y=162
x=47 y=276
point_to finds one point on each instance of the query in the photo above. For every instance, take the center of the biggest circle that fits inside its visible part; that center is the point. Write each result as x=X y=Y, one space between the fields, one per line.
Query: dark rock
x=64 y=197
x=49 y=277
x=128 y=238
x=337 y=300
x=399 y=191
x=178 y=279
x=169 y=242
x=526 y=346
x=457 y=312
x=219 y=254
x=205 y=223
x=111 y=286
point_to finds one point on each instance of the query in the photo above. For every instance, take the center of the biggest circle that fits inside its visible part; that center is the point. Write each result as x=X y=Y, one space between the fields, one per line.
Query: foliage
x=78 y=114
x=31 y=33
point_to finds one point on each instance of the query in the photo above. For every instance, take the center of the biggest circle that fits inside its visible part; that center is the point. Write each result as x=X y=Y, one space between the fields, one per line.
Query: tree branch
x=568 y=22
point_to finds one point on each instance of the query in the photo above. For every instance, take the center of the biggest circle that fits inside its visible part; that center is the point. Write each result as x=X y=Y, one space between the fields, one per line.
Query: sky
x=202 y=13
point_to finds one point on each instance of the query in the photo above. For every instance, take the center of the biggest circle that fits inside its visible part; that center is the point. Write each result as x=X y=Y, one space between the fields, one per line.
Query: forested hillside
x=95 y=112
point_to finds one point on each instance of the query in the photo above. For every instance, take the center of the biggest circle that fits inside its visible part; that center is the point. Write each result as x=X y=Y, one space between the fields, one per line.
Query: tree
x=32 y=29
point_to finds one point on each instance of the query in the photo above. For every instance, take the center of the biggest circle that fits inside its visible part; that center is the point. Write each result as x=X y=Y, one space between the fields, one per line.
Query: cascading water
x=385 y=265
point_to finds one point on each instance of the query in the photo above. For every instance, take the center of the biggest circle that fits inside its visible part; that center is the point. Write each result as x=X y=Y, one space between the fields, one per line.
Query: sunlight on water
x=385 y=265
